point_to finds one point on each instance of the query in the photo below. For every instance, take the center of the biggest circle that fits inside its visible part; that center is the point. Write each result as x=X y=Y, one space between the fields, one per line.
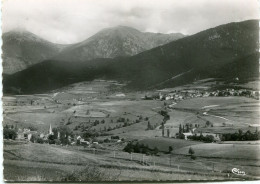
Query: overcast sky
x=70 y=21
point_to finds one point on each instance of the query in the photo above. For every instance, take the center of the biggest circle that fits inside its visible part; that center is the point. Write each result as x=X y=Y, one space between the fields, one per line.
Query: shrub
x=9 y=134
x=170 y=149
x=39 y=140
x=115 y=137
x=106 y=140
x=89 y=173
x=193 y=157
x=191 y=151
x=57 y=142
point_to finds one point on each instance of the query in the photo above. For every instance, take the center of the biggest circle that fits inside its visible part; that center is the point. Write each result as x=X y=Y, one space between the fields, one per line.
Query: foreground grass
x=35 y=162
x=29 y=171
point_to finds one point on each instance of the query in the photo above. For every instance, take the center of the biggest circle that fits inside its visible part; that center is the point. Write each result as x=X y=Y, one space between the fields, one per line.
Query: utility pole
x=143 y=158
x=131 y=156
x=114 y=154
x=213 y=166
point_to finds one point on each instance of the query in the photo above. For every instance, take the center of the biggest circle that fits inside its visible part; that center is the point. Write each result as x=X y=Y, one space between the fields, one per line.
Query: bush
x=115 y=137
x=57 y=142
x=106 y=140
x=89 y=173
x=9 y=134
x=33 y=138
x=39 y=140
x=193 y=157
x=191 y=151
x=170 y=149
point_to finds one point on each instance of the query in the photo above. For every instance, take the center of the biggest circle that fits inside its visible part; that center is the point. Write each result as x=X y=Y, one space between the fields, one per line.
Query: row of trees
x=140 y=148
x=241 y=136
x=207 y=138
x=185 y=128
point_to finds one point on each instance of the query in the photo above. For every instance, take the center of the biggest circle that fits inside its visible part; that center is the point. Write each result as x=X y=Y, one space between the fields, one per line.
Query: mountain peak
x=119 y=28
x=22 y=34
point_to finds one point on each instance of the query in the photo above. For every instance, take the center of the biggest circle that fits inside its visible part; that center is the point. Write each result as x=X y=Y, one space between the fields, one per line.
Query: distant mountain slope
x=116 y=42
x=22 y=49
x=209 y=50
x=227 y=51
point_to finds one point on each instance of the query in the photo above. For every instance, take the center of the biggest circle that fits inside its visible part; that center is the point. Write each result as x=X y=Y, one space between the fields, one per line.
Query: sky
x=72 y=21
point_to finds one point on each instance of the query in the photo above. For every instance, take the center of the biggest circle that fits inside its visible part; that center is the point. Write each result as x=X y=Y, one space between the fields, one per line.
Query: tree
x=55 y=133
x=9 y=134
x=163 y=129
x=129 y=147
x=180 y=129
x=187 y=128
x=170 y=149
x=191 y=151
x=149 y=127
x=155 y=150
x=33 y=138
x=209 y=138
x=168 y=132
x=51 y=139
x=39 y=140
x=207 y=123
x=181 y=136
x=136 y=148
x=32 y=128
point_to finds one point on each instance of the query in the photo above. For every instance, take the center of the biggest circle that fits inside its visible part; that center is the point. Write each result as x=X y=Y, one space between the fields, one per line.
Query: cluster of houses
x=186 y=94
x=26 y=134
x=171 y=132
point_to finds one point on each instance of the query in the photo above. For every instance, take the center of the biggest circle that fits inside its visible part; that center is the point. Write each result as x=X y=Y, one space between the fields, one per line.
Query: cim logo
x=238 y=172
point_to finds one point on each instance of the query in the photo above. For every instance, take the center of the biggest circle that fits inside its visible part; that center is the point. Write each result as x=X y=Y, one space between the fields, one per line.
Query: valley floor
x=127 y=115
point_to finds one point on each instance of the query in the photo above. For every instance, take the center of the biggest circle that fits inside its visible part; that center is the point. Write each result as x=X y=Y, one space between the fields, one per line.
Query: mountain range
x=23 y=49
x=115 y=42
x=227 y=52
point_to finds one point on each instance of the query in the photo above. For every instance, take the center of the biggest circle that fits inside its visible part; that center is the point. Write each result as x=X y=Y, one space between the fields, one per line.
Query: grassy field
x=164 y=143
x=226 y=114
x=48 y=162
x=27 y=161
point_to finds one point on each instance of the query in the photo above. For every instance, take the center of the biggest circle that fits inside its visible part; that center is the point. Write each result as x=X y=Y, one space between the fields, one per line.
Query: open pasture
x=199 y=103
x=163 y=143
x=224 y=113
x=232 y=151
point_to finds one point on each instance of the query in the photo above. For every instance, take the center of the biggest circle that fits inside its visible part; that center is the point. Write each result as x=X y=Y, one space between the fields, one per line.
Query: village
x=178 y=95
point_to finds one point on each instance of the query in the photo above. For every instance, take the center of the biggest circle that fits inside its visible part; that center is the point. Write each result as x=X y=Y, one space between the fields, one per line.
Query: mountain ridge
x=22 y=49
x=115 y=42
x=230 y=47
